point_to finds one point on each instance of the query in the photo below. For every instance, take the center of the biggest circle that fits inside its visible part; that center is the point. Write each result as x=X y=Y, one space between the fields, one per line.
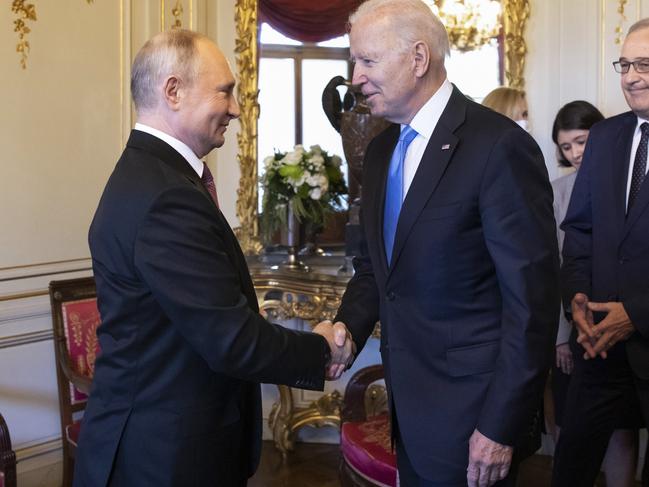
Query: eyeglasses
x=640 y=66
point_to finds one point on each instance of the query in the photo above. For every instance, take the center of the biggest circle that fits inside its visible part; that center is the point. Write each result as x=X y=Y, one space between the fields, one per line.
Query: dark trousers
x=603 y=396
x=409 y=478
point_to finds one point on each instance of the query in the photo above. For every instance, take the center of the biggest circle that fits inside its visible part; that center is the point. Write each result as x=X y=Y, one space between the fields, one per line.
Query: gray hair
x=411 y=21
x=170 y=52
x=639 y=25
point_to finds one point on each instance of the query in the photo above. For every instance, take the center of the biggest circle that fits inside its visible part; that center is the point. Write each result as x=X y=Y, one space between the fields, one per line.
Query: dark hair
x=576 y=115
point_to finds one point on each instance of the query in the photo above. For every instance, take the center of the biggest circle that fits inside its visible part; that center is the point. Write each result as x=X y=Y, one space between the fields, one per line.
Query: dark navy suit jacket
x=606 y=250
x=175 y=399
x=469 y=306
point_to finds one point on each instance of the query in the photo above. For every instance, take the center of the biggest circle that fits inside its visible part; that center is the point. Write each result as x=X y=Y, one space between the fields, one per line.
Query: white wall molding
x=24 y=309
x=24 y=290
x=40 y=463
x=8 y=274
x=38 y=448
x=25 y=338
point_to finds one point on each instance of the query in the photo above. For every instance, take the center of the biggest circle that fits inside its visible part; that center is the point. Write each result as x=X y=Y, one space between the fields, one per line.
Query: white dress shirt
x=424 y=122
x=182 y=148
x=634 y=148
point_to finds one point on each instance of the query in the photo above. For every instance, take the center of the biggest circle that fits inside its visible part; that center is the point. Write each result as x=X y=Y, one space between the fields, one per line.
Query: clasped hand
x=341 y=344
x=596 y=340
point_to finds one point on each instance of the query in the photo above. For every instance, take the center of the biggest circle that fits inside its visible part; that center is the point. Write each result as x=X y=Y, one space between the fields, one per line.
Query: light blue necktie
x=394 y=189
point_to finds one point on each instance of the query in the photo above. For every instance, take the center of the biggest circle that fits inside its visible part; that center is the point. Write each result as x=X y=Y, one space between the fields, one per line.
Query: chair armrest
x=81 y=382
x=354 y=399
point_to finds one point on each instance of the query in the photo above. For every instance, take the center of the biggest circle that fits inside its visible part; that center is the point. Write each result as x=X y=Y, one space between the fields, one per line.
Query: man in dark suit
x=605 y=276
x=461 y=266
x=176 y=399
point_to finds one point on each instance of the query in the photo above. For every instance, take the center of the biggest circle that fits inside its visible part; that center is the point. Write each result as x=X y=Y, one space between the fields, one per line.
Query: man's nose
x=358 y=76
x=631 y=75
x=233 y=107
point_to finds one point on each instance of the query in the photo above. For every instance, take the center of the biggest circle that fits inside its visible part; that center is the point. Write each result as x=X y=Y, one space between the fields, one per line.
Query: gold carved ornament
x=245 y=17
x=285 y=420
x=514 y=13
x=619 y=32
x=177 y=12
x=25 y=12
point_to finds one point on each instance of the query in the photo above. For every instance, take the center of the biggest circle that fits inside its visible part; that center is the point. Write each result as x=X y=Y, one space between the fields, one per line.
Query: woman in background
x=570 y=133
x=509 y=102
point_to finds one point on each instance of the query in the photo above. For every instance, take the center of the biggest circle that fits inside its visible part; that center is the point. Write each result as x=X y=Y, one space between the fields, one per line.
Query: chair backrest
x=75 y=318
x=7 y=457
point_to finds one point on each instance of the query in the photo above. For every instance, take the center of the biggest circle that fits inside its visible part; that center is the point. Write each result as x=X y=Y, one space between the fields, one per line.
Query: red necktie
x=208 y=182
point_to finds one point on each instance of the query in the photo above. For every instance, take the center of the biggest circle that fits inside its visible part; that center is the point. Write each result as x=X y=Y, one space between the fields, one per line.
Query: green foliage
x=310 y=181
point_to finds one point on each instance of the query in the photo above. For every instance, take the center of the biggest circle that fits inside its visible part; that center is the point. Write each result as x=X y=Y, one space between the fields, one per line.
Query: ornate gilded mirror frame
x=515 y=15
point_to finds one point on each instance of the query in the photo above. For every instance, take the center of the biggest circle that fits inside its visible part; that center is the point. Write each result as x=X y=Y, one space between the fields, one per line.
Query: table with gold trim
x=312 y=296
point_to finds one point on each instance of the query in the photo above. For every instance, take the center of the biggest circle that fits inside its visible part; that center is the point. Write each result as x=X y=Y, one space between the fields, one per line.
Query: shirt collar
x=640 y=122
x=426 y=118
x=182 y=148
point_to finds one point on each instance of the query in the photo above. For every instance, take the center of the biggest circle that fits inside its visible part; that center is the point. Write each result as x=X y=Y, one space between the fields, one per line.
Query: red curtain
x=308 y=20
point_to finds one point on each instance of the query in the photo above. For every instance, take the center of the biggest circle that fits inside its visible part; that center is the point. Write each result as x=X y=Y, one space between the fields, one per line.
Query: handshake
x=341 y=344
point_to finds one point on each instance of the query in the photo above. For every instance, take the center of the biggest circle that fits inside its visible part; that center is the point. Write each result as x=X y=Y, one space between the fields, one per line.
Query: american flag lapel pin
x=446 y=146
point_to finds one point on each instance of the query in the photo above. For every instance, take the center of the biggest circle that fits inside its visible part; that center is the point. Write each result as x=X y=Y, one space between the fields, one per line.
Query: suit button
x=622 y=260
x=391 y=296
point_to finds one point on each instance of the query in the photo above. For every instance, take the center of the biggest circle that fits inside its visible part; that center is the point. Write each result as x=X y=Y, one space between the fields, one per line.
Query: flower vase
x=311 y=248
x=292 y=262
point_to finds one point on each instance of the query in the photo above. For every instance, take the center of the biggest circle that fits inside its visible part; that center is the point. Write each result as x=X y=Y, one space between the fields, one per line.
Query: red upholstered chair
x=7 y=457
x=367 y=457
x=74 y=319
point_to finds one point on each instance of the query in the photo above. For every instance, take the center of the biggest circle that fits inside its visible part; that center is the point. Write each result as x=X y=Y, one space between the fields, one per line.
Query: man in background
x=175 y=398
x=460 y=259
x=605 y=277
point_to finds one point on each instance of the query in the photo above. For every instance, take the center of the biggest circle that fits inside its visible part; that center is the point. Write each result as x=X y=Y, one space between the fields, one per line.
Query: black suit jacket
x=606 y=251
x=469 y=307
x=175 y=397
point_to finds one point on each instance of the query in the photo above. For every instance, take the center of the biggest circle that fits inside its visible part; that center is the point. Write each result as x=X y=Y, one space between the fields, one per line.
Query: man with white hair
x=460 y=259
x=605 y=278
x=175 y=399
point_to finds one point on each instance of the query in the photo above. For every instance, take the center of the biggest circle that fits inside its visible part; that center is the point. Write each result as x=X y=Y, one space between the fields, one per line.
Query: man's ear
x=172 y=92
x=421 y=60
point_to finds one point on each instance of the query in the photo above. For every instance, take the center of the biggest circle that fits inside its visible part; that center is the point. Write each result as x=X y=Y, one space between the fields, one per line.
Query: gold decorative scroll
x=619 y=29
x=25 y=12
x=177 y=12
x=515 y=15
x=245 y=17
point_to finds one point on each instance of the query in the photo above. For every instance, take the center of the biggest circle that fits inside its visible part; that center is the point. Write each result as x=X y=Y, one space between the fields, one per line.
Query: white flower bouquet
x=311 y=182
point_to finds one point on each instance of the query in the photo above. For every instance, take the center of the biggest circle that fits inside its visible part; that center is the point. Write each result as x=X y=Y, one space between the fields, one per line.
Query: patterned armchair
x=74 y=319
x=7 y=457
x=367 y=457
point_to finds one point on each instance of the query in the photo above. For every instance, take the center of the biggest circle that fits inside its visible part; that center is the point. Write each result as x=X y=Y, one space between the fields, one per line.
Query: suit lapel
x=642 y=200
x=171 y=157
x=436 y=158
x=380 y=159
x=638 y=208
x=620 y=170
x=168 y=155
